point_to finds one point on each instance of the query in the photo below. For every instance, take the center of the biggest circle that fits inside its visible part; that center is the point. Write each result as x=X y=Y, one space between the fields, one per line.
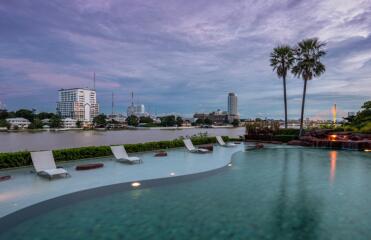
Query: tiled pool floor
x=26 y=188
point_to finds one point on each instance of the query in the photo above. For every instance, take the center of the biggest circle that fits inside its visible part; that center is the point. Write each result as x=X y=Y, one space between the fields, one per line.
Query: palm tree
x=282 y=59
x=308 y=65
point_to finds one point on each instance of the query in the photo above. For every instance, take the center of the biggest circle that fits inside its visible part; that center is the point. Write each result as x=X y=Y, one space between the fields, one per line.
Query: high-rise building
x=232 y=104
x=78 y=103
x=137 y=110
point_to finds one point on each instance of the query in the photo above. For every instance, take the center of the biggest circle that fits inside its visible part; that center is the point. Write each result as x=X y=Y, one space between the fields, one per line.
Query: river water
x=46 y=140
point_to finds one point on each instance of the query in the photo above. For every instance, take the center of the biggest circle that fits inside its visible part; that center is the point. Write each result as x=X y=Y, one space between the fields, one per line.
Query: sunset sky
x=182 y=56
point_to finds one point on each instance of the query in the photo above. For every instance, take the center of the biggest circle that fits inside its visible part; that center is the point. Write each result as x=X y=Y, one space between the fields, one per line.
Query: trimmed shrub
x=19 y=159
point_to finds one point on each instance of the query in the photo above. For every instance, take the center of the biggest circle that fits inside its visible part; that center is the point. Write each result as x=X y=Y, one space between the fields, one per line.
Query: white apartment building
x=18 y=122
x=79 y=104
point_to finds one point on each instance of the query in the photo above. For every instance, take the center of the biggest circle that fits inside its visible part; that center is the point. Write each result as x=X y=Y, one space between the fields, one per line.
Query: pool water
x=281 y=193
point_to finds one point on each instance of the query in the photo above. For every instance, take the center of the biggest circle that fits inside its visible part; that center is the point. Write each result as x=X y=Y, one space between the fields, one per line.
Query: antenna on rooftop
x=94 y=81
x=132 y=98
x=113 y=103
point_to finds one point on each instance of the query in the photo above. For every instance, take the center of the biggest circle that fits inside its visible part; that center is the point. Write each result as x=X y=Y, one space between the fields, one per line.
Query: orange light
x=333 y=137
x=367 y=150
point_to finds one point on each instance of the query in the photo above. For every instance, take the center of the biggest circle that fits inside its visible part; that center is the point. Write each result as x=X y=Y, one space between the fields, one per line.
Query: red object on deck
x=161 y=154
x=89 y=166
x=209 y=147
x=4 y=178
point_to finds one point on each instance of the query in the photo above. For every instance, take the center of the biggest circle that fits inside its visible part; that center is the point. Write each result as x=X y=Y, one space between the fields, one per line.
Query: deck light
x=135 y=184
x=333 y=137
x=367 y=150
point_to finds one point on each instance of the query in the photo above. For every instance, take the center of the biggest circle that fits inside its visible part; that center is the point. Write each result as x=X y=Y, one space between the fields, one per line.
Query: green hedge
x=19 y=159
x=288 y=131
x=284 y=138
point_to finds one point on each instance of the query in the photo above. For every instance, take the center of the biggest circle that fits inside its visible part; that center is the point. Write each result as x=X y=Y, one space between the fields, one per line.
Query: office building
x=78 y=103
x=137 y=110
x=232 y=104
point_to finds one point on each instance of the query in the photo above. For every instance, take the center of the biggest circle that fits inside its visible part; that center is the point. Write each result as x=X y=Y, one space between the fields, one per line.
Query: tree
x=145 y=120
x=363 y=117
x=25 y=113
x=4 y=123
x=78 y=123
x=168 y=121
x=200 y=121
x=36 y=123
x=282 y=59
x=132 y=120
x=235 y=122
x=55 y=122
x=208 y=121
x=100 y=120
x=4 y=114
x=366 y=105
x=179 y=121
x=308 y=66
x=45 y=115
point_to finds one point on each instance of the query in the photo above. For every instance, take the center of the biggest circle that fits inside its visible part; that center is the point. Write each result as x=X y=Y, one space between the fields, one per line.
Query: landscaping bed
x=20 y=159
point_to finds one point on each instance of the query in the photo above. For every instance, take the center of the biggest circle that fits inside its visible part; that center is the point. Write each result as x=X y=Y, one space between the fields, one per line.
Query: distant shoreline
x=104 y=129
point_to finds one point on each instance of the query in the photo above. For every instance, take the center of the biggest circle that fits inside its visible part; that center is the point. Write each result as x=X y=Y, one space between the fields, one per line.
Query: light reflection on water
x=333 y=158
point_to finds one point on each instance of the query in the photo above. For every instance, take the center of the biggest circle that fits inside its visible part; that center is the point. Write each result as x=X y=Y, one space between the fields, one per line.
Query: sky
x=182 y=56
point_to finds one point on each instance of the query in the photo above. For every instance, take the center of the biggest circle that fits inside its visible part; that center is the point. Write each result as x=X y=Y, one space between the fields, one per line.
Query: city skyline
x=182 y=57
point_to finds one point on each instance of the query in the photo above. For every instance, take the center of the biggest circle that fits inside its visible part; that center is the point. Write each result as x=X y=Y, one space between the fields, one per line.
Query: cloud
x=183 y=56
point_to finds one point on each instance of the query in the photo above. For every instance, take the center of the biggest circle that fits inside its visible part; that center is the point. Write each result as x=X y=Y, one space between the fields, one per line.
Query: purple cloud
x=182 y=56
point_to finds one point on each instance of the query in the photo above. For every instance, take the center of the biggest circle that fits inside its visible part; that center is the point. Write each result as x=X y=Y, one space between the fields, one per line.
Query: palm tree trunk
x=302 y=108
x=285 y=99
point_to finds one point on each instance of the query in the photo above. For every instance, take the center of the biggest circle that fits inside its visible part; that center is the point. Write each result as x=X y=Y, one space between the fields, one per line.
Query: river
x=46 y=140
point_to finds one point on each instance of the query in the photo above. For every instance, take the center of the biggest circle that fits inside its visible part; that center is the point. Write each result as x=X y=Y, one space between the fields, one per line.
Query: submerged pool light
x=135 y=184
x=230 y=165
x=172 y=174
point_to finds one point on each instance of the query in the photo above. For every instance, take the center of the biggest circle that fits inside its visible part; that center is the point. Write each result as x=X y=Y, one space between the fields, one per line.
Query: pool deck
x=26 y=188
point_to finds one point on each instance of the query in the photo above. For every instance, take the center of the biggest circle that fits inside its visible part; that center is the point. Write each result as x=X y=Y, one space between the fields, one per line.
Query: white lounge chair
x=223 y=144
x=44 y=165
x=189 y=145
x=121 y=155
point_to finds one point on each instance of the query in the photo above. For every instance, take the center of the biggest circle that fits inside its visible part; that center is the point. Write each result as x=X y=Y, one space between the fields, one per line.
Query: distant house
x=69 y=123
x=18 y=122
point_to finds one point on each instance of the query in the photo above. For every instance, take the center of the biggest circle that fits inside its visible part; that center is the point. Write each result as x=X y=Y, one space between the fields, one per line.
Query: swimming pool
x=276 y=193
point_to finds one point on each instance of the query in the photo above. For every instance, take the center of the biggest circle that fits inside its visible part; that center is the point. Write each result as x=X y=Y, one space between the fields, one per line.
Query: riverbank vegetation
x=21 y=159
x=270 y=131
